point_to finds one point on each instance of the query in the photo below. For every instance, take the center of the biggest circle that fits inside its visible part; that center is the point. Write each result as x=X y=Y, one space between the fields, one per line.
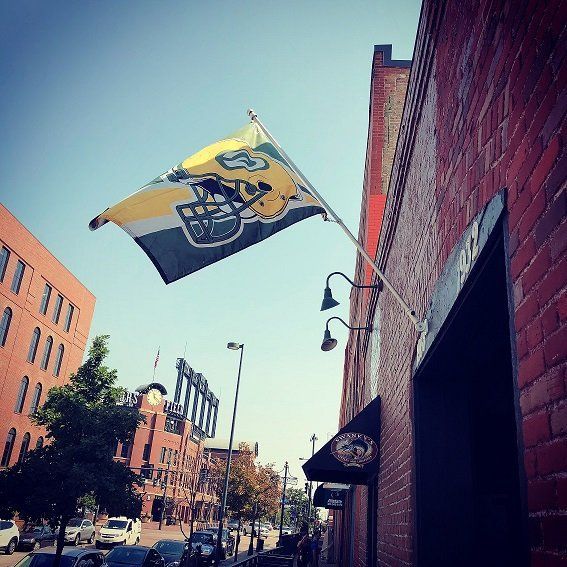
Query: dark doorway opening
x=469 y=507
x=157 y=507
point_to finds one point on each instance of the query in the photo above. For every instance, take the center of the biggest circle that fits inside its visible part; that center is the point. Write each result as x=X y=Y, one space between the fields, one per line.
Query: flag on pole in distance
x=226 y=197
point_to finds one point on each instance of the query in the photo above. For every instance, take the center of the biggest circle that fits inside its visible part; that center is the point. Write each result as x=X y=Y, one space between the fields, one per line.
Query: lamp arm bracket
x=359 y=286
x=367 y=328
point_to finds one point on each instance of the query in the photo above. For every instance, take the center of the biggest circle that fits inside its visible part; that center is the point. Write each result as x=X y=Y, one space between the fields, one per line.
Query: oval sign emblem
x=354 y=449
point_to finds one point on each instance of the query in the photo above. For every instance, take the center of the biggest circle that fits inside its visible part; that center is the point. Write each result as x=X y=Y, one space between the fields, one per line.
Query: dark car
x=71 y=557
x=227 y=542
x=203 y=543
x=170 y=549
x=134 y=555
x=35 y=537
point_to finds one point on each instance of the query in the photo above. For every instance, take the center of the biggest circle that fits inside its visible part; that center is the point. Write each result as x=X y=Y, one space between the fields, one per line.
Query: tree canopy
x=84 y=422
x=250 y=484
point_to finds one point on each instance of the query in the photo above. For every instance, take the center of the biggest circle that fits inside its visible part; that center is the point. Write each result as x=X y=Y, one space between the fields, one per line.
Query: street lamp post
x=313 y=438
x=251 y=545
x=231 y=346
x=283 y=502
x=165 y=488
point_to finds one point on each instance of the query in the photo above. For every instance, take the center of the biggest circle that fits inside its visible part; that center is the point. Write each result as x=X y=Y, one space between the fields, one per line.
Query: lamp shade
x=328 y=301
x=328 y=342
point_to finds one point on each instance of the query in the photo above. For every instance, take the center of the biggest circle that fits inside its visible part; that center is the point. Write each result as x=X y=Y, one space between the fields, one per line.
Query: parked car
x=227 y=542
x=232 y=525
x=35 y=537
x=203 y=542
x=79 y=530
x=119 y=531
x=9 y=536
x=264 y=531
x=134 y=555
x=71 y=557
x=170 y=549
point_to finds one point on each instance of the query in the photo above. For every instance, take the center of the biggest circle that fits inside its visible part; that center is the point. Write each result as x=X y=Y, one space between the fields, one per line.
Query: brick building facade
x=388 y=85
x=45 y=315
x=168 y=449
x=473 y=440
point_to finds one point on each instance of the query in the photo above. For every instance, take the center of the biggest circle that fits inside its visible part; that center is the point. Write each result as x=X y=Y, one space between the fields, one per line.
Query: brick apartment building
x=45 y=317
x=473 y=424
x=167 y=450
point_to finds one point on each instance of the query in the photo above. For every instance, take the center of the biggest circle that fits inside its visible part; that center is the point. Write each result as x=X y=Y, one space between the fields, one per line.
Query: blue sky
x=98 y=98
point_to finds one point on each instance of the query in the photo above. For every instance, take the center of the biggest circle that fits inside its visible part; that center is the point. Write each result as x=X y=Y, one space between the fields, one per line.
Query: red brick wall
x=183 y=472
x=485 y=110
x=41 y=267
x=387 y=95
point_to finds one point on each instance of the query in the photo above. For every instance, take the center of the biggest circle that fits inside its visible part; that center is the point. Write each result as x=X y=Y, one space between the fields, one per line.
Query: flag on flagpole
x=226 y=197
x=157 y=359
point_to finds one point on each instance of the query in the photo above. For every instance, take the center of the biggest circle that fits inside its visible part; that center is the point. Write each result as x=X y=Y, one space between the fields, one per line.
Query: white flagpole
x=419 y=325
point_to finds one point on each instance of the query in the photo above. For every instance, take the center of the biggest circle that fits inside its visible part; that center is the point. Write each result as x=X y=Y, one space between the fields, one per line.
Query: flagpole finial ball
x=251 y=114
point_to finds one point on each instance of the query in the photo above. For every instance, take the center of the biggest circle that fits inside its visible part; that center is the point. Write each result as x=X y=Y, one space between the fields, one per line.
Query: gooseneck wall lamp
x=328 y=301
x=328 y=342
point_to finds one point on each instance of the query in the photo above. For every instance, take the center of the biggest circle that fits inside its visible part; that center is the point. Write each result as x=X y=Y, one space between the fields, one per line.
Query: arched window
x=24 y=447
x=8 y=448
x=46 y=353
x=34 y=344
x=35 y=400
x=5 y=325
x=58 y=360
x=39 y=443
x=22 y=394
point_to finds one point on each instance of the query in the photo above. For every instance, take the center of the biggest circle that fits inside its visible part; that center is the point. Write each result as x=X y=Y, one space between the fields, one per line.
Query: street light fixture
x=231 y=346
x=328 y=342
x=328 y=301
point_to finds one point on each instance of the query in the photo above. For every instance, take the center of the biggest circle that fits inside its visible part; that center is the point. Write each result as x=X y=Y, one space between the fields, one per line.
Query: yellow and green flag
x=230 y=195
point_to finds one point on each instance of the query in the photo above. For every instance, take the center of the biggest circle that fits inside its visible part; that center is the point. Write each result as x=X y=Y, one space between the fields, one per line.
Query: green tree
x=241 y=482
x=297 y=502
x=84 y=422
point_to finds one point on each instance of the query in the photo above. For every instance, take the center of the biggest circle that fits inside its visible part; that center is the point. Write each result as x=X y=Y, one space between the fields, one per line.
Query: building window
x=8 y=447
x=5 y=325
x=35 y=400
x=124 y=451
x=18 y=276
x=34 y=344
x=24 y=447
x=58 y=360
x=39 y=443
x=147 y=471
x=45 y=299
x=162 y=455
x=22 y=394
x=146 y=455
x=46 y=353
x=57 y=308
x=4 y=257
x=69 y=317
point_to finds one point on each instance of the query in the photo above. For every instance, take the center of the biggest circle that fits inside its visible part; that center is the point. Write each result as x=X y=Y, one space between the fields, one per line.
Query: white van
x=119 y=531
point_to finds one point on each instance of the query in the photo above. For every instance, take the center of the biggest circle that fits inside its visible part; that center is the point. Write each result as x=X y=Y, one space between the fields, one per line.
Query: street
x=150 y=535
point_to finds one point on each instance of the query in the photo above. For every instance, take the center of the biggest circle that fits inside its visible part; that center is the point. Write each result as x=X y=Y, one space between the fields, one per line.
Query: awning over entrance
x=331 y=496
x=351 y=456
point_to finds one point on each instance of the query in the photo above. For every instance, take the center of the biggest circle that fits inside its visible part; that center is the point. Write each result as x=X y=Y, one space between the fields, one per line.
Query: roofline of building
x=386 y=50
x=55 y=259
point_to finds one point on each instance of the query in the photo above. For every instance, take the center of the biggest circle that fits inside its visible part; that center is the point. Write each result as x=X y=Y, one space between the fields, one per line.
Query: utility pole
x=313 y=438
x=251 y=546
x=283 y=501
x=165 y=488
